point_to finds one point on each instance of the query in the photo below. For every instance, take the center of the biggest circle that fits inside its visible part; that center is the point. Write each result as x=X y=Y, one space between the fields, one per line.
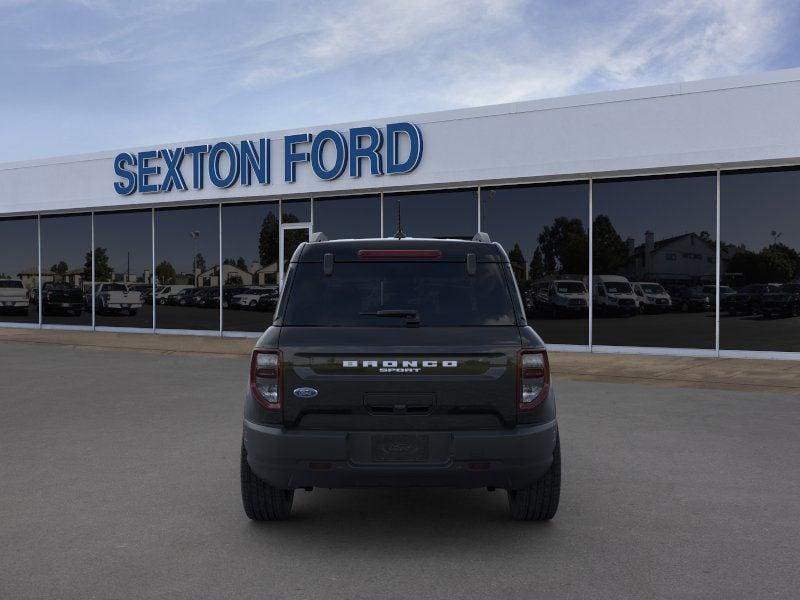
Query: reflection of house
x=28 y=277
x=687 y=257
x=266 y=275
x=72 y=277
x=210 y=277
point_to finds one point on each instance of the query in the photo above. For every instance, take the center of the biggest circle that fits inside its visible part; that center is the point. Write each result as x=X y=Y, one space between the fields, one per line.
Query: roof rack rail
x=482 y=236
x=318 y=236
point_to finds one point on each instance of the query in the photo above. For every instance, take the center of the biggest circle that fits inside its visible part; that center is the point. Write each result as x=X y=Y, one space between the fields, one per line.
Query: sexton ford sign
x=225 y=164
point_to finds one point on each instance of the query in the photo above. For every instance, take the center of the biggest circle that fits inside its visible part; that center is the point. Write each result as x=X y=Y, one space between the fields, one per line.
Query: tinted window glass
x=66 y=269
x=123 y=265
x=250 y=265
x=446 y=214
x=187 y=257
x=760 y=231
x=19 y=270
x=348 y=218
x=296 y=211
x=544 y=230
x=655 y=231
x=439 y=294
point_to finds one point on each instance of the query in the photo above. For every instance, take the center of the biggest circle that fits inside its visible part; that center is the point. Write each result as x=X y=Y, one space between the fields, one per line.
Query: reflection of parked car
x=164 y=295
x=228 y=292
x=783 y=301
x=205 y=297
x=182 y=297
x=562 y=297
x=651 y=297
x=613 y=294
x=689 y=299
x=14 y=298
x=145 y=289
x=725 y=293
x=114 y=298
x=249 y=298
x=269 y=301
x=748 y=299
x=61 y=297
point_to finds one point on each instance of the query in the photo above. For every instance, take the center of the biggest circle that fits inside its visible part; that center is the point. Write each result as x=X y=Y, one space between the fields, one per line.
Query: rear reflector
x=399 y=253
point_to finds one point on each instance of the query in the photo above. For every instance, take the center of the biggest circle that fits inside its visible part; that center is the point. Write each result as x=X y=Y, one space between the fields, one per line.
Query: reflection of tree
x=239 y=263
x=102 y=271
x=199 y=262
x=165 y=273
x=517 y=260
x=59 y=268
x=537 y=270
x=565 y=246
x=610 y=252
x=268 y=240
x=776 y=263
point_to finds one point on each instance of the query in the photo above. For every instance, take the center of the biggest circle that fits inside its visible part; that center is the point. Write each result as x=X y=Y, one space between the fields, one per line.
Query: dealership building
x=660 y=220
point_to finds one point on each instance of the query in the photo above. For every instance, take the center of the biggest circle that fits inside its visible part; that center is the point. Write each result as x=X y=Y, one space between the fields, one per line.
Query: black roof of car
x=451 y=250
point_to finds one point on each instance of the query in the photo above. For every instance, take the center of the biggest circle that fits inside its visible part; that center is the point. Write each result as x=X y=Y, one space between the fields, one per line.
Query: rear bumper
x=468 y=459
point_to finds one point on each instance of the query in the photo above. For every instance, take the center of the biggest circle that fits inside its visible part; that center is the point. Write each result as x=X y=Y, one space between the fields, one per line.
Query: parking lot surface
x=120 y=479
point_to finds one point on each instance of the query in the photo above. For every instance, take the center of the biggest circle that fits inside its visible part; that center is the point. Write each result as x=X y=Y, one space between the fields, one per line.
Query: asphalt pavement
x=119 y=479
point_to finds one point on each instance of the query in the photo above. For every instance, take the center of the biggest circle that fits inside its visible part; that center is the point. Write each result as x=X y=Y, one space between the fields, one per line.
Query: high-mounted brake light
x=265 y=378
x=533 y=378
x=399 y=253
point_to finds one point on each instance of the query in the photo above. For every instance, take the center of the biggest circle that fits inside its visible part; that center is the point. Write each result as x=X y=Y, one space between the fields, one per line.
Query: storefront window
x=296 y=211
x=348 y=218
x=760 y=260
x=544 y=230
x=19 y=270
x=187 y=268
x=123 y=266
x=67 y=269
x=444 y=214
x=249 y=265
x=654 y=261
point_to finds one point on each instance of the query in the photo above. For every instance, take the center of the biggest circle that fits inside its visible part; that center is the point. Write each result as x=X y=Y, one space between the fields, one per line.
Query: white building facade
x=586 y=185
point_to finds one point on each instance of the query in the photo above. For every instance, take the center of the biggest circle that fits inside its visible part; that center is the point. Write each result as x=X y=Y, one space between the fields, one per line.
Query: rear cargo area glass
x=441 y=293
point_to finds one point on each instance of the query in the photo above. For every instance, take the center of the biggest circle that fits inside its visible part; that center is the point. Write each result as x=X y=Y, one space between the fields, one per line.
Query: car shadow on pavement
x=379 y=519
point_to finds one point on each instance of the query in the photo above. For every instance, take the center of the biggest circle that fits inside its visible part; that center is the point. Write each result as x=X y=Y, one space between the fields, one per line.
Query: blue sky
x=87 y=75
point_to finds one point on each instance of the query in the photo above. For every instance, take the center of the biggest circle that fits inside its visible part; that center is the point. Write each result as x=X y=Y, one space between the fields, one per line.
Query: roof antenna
x=399 y=235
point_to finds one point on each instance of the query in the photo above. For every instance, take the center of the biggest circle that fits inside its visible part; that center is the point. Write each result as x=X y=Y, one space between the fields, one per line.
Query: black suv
x=784 y=301
x=748 y=299
x=400 y=362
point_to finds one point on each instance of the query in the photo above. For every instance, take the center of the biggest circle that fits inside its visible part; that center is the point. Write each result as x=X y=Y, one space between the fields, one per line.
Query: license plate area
x=399 y=447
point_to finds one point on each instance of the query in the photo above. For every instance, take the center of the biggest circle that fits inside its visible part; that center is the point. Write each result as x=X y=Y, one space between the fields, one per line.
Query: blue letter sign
x=329 y=153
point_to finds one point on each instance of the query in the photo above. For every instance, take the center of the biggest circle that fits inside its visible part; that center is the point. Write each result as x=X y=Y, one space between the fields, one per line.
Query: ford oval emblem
x=305 y=392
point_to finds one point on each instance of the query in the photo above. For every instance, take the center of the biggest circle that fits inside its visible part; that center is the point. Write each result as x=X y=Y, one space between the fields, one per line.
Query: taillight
x=265 y=378
x=533 y=378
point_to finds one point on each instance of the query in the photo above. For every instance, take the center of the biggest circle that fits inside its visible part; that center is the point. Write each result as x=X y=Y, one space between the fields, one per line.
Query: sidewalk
x=705 y=373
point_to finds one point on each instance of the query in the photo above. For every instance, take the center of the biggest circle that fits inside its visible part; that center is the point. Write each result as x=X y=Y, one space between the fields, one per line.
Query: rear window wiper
x=411 y=315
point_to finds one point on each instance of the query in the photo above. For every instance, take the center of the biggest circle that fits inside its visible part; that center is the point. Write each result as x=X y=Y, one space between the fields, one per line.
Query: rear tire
x=261 y=501
x=539 y=502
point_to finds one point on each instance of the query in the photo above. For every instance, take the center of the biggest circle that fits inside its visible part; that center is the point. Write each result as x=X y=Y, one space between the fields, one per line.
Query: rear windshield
x=442 y=294
x=10 y=283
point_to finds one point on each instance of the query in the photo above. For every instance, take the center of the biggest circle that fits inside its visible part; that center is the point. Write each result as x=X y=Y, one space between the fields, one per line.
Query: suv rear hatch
x=386 y=344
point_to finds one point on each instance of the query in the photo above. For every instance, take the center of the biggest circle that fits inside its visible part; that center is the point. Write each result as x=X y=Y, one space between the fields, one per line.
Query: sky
x=89 y=75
